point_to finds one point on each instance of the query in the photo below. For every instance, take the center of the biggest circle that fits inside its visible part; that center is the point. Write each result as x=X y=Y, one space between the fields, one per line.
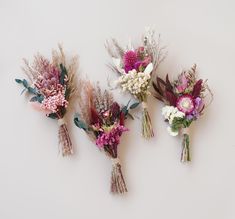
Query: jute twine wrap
x=185 y=131
x=118 y=185
x=64 y=138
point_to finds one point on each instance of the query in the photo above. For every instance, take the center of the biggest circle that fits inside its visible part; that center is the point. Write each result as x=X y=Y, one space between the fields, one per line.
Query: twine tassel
x=185 y=154
x=118 y=185
x=147 y=129
x=64 y=139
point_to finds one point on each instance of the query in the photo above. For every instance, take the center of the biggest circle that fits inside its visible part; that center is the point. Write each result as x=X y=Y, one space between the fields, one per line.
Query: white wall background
x=35 y=182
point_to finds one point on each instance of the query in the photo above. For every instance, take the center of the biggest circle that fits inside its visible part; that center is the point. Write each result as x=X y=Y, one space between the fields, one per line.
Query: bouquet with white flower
x=135 y=67
x=185 y=101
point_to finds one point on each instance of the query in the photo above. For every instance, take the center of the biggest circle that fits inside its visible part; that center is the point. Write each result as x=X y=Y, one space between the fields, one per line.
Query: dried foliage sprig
x=185 y=100
x=135 y=67
x=103 y=120
x=53 y=86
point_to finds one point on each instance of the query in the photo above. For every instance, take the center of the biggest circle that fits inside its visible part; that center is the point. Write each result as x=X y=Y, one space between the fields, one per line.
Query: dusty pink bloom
x=183 y=84
x=48 y=80
x=52 y=103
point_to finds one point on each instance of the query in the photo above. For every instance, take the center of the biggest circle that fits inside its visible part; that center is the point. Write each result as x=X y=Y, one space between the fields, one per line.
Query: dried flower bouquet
x=53 y=86
x=185 y=100
x=135 y=67
x=103 y=121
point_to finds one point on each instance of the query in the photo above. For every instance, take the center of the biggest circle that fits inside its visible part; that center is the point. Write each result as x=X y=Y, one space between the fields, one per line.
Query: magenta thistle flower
x=129 y=59
x=112 y=137
x=185 y=104
x=128 y=68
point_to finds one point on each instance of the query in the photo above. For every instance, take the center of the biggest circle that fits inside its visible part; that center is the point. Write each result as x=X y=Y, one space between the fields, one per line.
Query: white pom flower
x=135 y=82
x=169 y=113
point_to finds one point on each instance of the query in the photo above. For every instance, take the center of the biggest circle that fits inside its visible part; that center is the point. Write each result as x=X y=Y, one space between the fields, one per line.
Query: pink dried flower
x=111 y=138
x=141 y=65
x=140 y=52
x=183 y=83
x=52 y=103
x=48 y=79
x=185 y=104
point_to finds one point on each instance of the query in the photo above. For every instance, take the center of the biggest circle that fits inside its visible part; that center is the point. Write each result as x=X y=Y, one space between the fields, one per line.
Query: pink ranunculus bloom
x=185 y=104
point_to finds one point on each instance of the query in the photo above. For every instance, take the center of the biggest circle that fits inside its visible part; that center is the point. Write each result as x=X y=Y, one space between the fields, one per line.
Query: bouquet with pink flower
x=185 y=101
x=53 y=87
x=103 y=120
x=135 y=67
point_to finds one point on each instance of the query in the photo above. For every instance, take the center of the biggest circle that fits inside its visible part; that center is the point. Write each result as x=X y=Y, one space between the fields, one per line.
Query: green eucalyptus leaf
x=34 y=99
x=18 y=81
x=80 y=124
x=32 y=90
x=134 y=105
x=53 y=116
x=25 y=83
x=124 y=110
x=40 y=98
x=62 y=74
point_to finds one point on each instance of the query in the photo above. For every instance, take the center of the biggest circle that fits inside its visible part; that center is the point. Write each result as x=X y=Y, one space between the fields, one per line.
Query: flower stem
x=118 y=185
x=185 y=154
x=147 y=129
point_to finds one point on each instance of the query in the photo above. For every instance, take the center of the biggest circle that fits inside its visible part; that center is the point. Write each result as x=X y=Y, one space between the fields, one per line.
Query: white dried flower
x=135 y=82
x=169 y=113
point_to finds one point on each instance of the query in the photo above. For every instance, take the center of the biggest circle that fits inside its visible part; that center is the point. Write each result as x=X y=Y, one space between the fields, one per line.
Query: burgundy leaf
x=160 y=82
x=122 y=118
x=157 y=97
x=171 y=98
x=94 y=116
x=156 y=89
x=168 y=83
x=197 y=88
x=115 y=110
